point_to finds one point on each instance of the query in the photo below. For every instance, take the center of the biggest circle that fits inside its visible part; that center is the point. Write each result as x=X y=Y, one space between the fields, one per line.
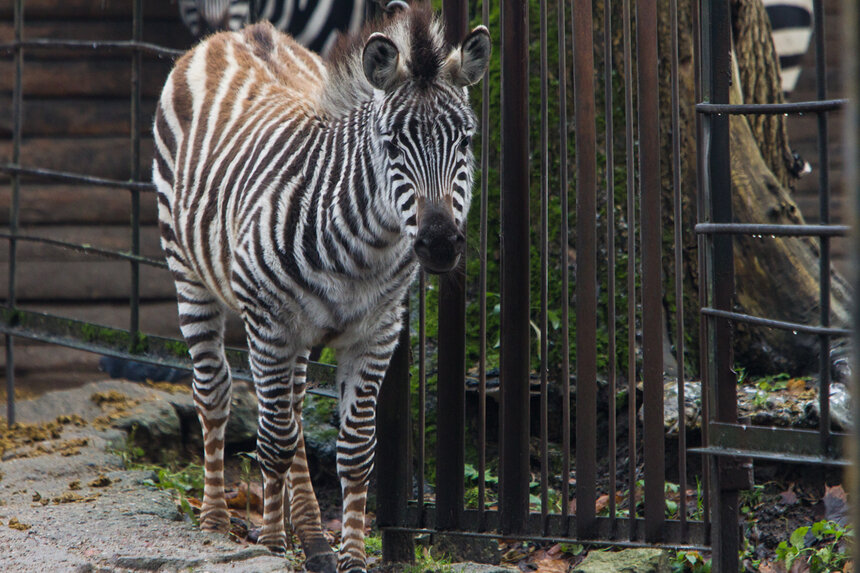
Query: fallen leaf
x=788 y=497
x=601 y=503
x=101 y=481
x=769 y=567
x=836 y=505
x=796 y=385
x=15 y=524
x=75 y=484
x=67 y=497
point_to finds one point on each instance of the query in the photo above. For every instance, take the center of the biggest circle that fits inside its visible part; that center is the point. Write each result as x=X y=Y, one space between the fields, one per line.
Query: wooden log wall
x=76 y=117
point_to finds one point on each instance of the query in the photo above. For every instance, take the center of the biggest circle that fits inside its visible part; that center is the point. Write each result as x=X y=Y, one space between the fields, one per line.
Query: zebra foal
x=304 y=194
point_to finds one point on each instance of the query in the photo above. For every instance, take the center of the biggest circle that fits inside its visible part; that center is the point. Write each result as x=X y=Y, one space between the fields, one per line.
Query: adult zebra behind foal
x=303 y=194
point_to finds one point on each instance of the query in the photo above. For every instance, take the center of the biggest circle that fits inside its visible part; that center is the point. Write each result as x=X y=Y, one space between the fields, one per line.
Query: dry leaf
x=788 y=497
x=601 y=503
x=796 y=385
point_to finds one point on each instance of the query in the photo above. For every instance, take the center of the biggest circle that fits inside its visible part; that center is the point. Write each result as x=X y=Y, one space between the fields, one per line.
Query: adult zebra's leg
x=304 y=510
x=201 y=319
x=360 y=375
x=277 y=427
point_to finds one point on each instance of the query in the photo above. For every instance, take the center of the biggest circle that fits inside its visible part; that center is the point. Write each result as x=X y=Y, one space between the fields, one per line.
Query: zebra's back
x=226 y=107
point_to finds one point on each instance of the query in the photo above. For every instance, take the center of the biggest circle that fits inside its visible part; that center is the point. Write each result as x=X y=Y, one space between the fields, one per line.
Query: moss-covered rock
x=626 y=561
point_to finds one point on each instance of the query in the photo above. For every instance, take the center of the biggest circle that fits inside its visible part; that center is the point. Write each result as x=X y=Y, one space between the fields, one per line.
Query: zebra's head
x=424 y=127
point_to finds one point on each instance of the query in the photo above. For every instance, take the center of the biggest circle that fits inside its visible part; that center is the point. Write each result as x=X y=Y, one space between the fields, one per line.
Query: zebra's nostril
x=422 y=246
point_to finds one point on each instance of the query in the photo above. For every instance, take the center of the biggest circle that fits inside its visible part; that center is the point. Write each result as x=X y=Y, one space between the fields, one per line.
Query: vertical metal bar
x=652 y=292
x=631 y=267
x=134 y=173
x=586 y=268
x=451 y=390
x=851 y=73
x=824 y=219
x=700 y=241
x=610 y=248
x=679 y=284
x=514 y=338
x=394 y=423
x=544 y=270
x=565 y=270
x=482 y=295
x=720 y=272
x=421 y=462
x=17 y=98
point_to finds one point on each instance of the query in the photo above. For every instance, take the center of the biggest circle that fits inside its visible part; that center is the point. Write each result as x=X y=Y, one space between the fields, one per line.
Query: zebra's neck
x=358 y=221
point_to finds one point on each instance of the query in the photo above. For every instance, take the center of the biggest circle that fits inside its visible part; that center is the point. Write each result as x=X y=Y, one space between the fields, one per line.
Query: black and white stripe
x=313 y=23
x=791 y=22
x=303 y=194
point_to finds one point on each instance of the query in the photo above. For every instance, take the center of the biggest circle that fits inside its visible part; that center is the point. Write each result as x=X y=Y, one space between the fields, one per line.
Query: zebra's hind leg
x=304 y=510
x=201 y=319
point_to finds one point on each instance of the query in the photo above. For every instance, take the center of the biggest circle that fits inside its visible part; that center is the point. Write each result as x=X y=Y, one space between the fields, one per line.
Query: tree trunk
x=775 y=278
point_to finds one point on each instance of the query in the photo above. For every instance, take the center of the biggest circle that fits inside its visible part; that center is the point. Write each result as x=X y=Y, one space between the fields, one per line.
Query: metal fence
x=576 y=473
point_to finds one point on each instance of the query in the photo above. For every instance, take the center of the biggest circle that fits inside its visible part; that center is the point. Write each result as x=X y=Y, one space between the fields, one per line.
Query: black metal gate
x=534 y=372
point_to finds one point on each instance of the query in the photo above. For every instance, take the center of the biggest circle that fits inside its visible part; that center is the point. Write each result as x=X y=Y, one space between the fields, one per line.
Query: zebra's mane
x=420 y=38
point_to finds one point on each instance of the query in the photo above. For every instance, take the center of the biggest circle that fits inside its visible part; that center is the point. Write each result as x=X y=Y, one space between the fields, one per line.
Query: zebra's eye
x=392 y=149
x=465 y=143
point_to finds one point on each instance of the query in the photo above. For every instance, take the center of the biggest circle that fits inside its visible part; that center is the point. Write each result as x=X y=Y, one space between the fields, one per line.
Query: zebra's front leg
x=304 y=510
x=360 y=376
x=277 y=433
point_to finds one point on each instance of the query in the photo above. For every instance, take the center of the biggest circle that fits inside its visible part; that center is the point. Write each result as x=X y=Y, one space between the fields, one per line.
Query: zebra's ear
x=468 y=64
x=381 y=61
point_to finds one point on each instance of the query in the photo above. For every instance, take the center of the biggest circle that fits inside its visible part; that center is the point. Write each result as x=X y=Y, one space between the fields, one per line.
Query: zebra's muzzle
x=439 y=241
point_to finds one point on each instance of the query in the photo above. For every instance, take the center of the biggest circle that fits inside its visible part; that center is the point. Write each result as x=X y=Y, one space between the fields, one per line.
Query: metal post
x=514 y=368
x=393 y=439
x=451 y=405
x=134 y=174
x=652 y=291
x=719 y=257
x=17 y=96
x=586 y=268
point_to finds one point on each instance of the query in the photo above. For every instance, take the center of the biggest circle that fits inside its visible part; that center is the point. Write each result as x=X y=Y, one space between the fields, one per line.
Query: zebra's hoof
x=274 y=543
x=321 y=563
x=277 y=549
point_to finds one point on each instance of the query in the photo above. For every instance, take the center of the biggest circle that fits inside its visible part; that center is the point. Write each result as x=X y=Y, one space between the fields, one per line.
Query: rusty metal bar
x=514 y=337
x=610 y=249
x=85 y=249
x=652 y=291
x=421 y=462
x=482 y=286
x=544 y=270
x=763 y=230
x=102 y=46
x=586 y=268
x=394 y=429
x=631 y=270
x=851 y=160
x=781 y=324
x=824 y=241
x=17 y=99
x=700 y=258
x=65 y=176
x=565 y=268
x=450 y=387
x=799 y=107
x=134 y=171
x=719 y=259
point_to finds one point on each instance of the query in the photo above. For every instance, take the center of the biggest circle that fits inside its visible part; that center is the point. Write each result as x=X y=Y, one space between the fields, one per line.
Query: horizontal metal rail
x=793 y=108
x=144 y=348
x=770 y=443
x=556 y=530
x=772 y=230
x=770 y=323
x=68 y=177
x=107 y=46
x=88 y=249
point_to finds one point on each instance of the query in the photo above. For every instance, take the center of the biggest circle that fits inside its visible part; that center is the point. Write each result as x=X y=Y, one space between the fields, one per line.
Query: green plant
x=426 y=561
x=245 y=459
x=826 y=551
x=183 y=483
x=690 y=562
x=373 y=545
x=750 y=499
x=128 y=452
